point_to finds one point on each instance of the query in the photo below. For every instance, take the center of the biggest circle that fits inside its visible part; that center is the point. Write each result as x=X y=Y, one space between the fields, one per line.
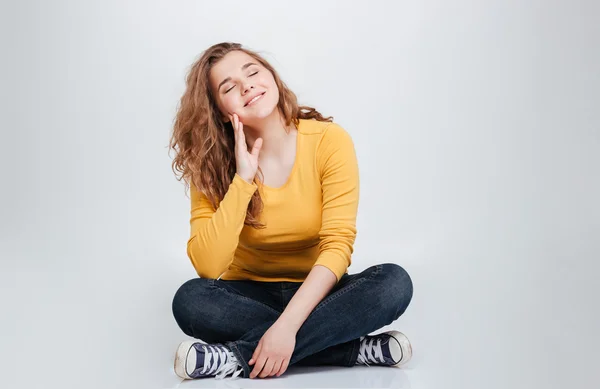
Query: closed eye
x=250 y=75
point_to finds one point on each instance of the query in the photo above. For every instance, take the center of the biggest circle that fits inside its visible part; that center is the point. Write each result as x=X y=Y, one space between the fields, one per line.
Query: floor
x=316 y=377
x=491 y=325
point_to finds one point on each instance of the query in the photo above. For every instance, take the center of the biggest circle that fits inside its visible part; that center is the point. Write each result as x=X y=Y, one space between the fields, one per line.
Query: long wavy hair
x=204 y=143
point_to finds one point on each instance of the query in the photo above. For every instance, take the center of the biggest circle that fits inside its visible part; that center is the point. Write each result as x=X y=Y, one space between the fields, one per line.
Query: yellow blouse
x=310 y=220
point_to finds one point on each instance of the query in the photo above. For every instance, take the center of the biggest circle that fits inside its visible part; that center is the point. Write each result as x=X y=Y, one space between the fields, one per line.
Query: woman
x=274 y=193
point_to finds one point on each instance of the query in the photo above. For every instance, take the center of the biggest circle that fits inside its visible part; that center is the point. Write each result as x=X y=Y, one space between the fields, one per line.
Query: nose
x=247 y=87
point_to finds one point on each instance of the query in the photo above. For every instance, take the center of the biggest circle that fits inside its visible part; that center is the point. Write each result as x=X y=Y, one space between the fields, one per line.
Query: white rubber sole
x=181 y=358
x=404 y=345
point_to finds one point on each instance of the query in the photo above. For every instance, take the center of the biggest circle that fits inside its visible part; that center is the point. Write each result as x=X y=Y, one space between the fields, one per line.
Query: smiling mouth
x=255 y=99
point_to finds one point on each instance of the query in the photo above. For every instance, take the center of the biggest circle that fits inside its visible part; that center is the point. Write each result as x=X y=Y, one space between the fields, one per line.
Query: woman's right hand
x=246 y=162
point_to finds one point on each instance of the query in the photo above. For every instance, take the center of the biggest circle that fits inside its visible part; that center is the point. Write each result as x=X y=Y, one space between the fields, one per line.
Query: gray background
x=477 y=131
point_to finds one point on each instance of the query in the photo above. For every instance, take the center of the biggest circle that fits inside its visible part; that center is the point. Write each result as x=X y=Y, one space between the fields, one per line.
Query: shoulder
x=332 y=145
x=324 y=132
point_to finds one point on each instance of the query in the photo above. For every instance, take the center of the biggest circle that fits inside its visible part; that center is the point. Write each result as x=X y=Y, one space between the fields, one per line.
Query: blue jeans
x=238 y=313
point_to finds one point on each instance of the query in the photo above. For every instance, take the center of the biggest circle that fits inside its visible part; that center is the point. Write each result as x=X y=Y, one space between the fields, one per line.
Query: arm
x=215 y=234
x=337 y=161
x=274 y=350
x=338 y=168
x=317 y=285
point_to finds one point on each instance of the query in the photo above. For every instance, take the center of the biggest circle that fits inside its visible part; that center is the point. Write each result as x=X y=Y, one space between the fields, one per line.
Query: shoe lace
x=369 y=352
x=220 y=361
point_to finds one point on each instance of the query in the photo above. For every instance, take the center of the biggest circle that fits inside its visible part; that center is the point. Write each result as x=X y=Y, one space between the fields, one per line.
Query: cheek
x=274 y=98
x=230 y=103
x=271 y=83
x=274 y=94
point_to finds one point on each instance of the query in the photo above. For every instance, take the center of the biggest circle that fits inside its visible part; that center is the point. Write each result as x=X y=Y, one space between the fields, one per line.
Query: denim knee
x=183 y=311
x=399 y=285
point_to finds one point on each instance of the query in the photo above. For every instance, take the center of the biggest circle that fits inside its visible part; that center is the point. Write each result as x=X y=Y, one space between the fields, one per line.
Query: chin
x=259 y=114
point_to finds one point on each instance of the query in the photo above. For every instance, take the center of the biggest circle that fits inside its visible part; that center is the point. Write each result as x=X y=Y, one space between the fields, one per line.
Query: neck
x=272 y=130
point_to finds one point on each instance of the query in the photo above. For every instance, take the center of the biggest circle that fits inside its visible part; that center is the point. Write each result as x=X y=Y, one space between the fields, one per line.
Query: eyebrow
x=229 y=78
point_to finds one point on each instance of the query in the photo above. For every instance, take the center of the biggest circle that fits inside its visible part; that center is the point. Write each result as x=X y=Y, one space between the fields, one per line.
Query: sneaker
x=195 y=359
x=390 y=348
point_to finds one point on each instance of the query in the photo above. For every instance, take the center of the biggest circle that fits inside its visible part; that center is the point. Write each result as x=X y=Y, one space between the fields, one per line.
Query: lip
x=250 y=99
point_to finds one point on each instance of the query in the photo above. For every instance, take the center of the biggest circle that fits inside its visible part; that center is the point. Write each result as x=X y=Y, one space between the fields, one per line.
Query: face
x=243 y=86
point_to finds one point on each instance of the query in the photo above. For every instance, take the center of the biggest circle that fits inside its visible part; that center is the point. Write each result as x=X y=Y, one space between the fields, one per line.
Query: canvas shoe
x=195 y=359
x=390 y=348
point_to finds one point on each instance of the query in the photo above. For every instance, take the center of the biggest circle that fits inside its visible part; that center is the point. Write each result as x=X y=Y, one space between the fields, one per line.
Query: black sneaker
x=390 y=348
x=195 y=359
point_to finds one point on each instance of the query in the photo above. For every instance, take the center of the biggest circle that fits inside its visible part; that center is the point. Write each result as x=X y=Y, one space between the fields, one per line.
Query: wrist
x=289 y=323
x=249 y=181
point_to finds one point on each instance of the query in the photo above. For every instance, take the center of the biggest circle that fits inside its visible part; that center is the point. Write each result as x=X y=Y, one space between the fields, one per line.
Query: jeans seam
x=244 y=298
x=376 y=271
x=347 y=288
x=238 y=355
x=339 y=293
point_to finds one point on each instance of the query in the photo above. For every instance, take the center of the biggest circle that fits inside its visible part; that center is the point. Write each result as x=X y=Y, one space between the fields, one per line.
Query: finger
x=241 y=133
x=234 y=130
x=240 y=124
x=234 y=124
x=237 y=122
x=267 y=369
x=276 y=368
x=258 y=366
x=241 y=136
x=284 y=366
x=256 y=147
x=256 y=353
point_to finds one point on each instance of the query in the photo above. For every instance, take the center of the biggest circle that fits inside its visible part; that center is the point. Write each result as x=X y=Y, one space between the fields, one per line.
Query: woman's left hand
x=274 y=351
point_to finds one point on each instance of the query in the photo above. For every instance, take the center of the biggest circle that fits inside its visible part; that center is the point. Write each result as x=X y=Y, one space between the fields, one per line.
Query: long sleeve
x=214 y=234
x=338 y=167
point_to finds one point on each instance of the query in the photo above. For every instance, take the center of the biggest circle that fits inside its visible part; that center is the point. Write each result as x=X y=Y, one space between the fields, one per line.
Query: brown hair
x=204 y=144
